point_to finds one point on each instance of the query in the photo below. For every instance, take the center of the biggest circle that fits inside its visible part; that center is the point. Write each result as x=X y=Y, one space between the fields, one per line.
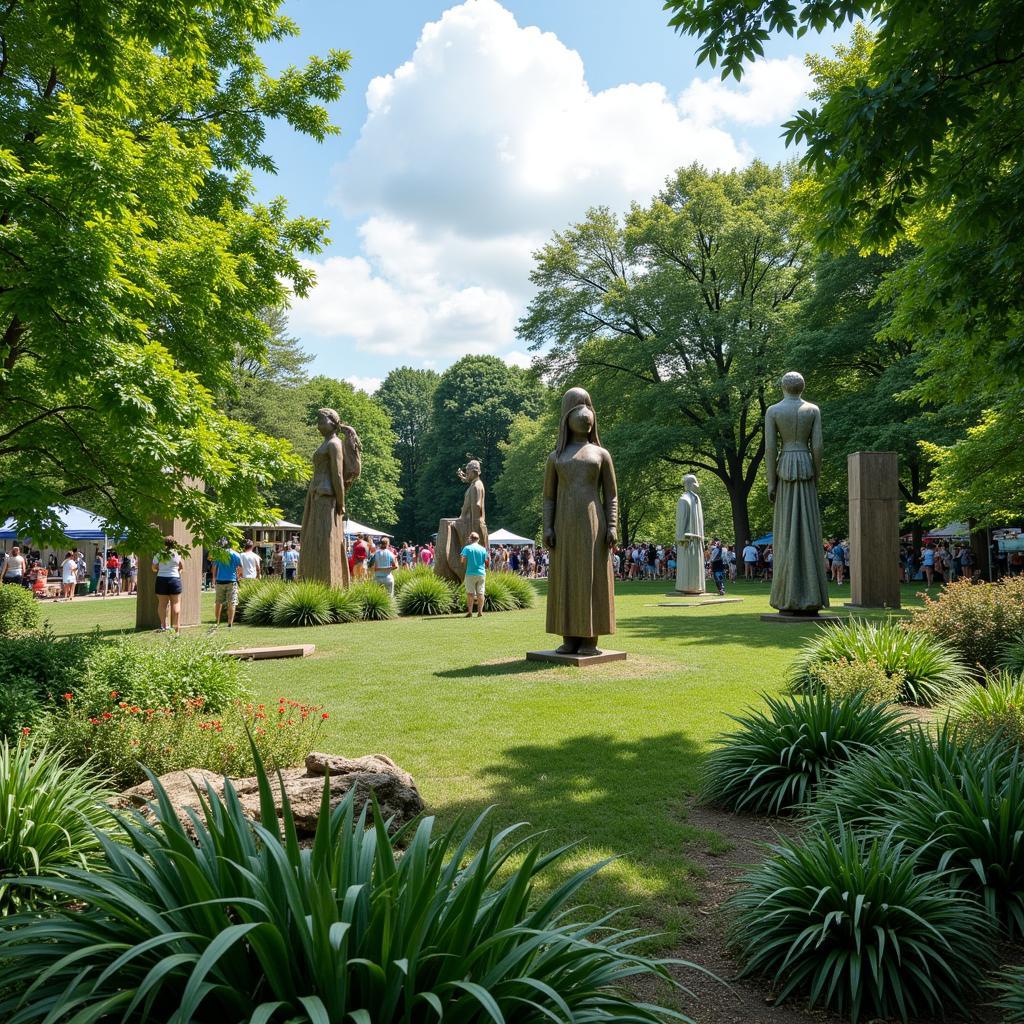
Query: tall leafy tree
x=135 y=265
x=475 y=404
x=408 y=396
x=676 y=318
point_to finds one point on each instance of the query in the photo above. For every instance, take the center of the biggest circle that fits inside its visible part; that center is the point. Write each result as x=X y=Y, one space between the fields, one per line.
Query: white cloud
x=768 y=94
x=367 y=384
x=487 y=140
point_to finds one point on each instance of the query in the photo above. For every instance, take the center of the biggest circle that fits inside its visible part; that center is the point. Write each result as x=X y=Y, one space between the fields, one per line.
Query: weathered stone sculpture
x=690 y=539
x=580 y=524
x=792 y=430
x=453 y=534
x=336 y=466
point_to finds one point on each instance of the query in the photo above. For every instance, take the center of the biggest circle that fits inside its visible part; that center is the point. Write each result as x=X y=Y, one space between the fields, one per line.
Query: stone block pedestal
x=579 y=660
x=874 y=529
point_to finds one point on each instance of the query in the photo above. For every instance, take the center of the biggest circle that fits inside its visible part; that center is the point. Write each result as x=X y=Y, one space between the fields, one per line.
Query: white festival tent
x=507 y=537
x=352 y=529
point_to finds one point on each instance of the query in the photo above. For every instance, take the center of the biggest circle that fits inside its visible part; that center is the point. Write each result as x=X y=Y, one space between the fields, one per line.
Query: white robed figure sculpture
x=690 y=539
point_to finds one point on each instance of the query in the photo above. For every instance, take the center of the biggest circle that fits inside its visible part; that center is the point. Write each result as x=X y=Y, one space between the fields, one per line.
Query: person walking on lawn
x=475 y=559
x=226 y=574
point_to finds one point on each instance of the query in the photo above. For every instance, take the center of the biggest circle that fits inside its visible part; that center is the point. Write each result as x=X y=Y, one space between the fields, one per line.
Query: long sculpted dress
x=581 y=588
x=322 y=556
x=793 y=451
x=689 y=545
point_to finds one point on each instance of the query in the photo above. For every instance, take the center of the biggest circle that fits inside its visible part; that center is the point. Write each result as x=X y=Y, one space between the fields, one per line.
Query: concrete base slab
x=821 y=620
x=696 y=604
x=579 y=660
x=688 y=593
x=872 y=607
x=266 y=653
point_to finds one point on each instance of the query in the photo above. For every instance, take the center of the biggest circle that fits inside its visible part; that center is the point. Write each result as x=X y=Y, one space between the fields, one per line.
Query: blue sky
x=505 y=122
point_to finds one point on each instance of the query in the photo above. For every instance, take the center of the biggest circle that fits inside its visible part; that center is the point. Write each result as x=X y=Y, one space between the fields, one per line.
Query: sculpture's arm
x=816 y=444
x=771 y=453
x=611 y=499
x=682 y=521
x=550 y=498
x=478 y=501
x=335 y=461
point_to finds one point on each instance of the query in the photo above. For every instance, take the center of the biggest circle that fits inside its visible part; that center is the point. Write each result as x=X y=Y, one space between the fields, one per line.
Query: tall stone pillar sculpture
x=874 y=529
x=336 y=466
x=191 y=576
x=690 y=539
x=453 y=534
x=792 y=430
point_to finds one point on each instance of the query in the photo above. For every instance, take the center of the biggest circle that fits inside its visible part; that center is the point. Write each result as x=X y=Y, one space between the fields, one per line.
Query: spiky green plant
x=344 y=605
x=426 y=595
x=930 y=667
x=241 y=924
x=374 y=601
x=776 y=759
x=1010 y=988
x=994 y=707
x=497 y=595
x=405 y=576
x=259 y=607
x=306 y=603
x=51 y=817
x=855 y=925
x=247 y=590
x=1012 y=659
x=522 y=590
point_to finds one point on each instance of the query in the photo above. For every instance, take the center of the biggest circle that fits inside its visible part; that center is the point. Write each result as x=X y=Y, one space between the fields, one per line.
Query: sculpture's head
x=577 y=416
x=690 y=483
x=792 y=384
x=328 y=422
x=471 y=472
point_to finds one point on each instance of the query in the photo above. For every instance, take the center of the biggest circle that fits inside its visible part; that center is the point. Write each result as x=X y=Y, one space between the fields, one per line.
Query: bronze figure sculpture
x=453 y=534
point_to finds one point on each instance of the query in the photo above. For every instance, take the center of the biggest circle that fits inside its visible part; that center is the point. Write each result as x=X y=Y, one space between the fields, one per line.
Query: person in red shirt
x=359 y=556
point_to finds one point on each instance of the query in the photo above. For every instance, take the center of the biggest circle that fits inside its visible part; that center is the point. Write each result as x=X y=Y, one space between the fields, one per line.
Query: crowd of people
x=112 y=572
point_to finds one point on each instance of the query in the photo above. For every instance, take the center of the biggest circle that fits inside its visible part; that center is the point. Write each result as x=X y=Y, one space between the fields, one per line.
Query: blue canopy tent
x=762 y=541
x=79 y=525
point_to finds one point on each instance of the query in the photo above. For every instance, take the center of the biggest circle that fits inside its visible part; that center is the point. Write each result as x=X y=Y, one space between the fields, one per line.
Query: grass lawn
x=605 y=757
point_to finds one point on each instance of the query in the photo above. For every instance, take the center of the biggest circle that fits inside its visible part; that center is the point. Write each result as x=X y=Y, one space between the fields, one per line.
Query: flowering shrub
x=845 y=677
x=979 y=620
x=121 y=737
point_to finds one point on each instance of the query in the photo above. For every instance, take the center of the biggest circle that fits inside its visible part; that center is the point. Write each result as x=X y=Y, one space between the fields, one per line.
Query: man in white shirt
x=251 y=567
x=749 y=560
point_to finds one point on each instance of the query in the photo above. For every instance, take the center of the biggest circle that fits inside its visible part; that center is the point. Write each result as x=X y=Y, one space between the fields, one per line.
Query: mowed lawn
x=606 y=757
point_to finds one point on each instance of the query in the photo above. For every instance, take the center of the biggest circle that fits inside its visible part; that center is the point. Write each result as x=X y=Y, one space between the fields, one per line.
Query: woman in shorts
x=167 y=566
x=68 y=576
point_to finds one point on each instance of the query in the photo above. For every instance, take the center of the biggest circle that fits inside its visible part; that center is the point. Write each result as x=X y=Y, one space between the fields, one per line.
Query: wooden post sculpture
x=874 y=529
x=336 y=466
x=580 y=530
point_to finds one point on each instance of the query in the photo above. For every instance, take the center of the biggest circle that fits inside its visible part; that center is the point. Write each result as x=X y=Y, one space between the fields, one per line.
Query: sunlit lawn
x=607 y=757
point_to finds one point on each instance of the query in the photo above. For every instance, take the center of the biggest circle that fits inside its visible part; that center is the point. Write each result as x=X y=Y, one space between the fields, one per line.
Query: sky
x=472 y=132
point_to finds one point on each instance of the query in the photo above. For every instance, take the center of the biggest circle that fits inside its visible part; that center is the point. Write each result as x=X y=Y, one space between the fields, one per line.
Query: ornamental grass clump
x=982 y=712
x=521 y=590
x=426 y=595
x=259 y=605
x=375 y=603
x=306 y=603
x=406 y=575
x=497 y=595
x=1010 y=988
x=929 y=668
x=776 y=759
x=857 y=925
x=980 y=620
x=344 y=605
x=241 y=924
x=51 y=816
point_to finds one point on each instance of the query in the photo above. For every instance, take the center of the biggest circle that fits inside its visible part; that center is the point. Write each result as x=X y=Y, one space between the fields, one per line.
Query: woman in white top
x=14 y=567
x=68 y=576
x=167 y=566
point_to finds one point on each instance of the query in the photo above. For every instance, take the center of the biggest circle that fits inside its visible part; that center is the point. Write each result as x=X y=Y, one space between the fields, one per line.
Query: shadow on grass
x=694 y=626
x=512 y=667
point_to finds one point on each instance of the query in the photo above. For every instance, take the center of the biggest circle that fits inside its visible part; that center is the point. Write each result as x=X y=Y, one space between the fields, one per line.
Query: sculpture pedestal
x=447 y=552
x=874 y=529
x=821 y=620
x=579 y=660
x=191 y=581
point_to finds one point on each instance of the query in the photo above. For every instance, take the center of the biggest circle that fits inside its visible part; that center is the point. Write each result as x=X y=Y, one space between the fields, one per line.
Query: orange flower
x=25 y=731
x=325 y=715
x=113 y=694
x=69 y=696
x=107 y=714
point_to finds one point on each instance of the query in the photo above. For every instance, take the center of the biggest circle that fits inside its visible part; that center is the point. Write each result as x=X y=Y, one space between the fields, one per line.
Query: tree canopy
x=135 y=267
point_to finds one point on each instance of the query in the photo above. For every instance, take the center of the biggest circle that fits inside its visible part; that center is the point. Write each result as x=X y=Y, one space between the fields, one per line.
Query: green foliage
x=844 y=678
x=1010 y=986
x=263 y=929
x=524 y=454
x=777 y=758
x=929 y=666
x=692 y=297
x=1012 y=659
x=121 y=741
x=855 y=925
x=260 y=598
x=20 y=707
x=408 y=396
x=374 y=601
x=19 y=610
x=137 y=264
x=160 y=674
x=306 y=603
x=993 y=709
x=498 y=597
x=980 y=621
x=521 y=590
x=424 y=594
x=51 y=817
x=475 y=403
x=344 y=605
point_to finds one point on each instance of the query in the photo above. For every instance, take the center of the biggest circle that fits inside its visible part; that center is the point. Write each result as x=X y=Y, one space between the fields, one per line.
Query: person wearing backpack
x=718 y=566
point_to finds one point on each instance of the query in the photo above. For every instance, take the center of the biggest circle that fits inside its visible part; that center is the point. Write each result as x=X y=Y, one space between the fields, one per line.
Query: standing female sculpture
x=336 y=466
x=799 y=585
x=580 y=522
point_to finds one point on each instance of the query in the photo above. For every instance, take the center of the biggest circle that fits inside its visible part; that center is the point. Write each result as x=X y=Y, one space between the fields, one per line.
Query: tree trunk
x=738 y=494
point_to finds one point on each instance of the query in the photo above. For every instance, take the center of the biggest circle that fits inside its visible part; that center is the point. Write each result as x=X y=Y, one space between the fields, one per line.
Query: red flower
x=25 y=731
x=280 y=710
x=94 y=721
x=107 y=714
x=135 y=709
x=69 y=696
x=325 y=715
x=113 y=694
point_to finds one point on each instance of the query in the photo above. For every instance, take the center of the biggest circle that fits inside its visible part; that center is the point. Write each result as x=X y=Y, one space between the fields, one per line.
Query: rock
x=396 y=793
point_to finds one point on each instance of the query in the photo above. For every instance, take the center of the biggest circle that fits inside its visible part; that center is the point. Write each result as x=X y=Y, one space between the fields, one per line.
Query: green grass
x=607 y=756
